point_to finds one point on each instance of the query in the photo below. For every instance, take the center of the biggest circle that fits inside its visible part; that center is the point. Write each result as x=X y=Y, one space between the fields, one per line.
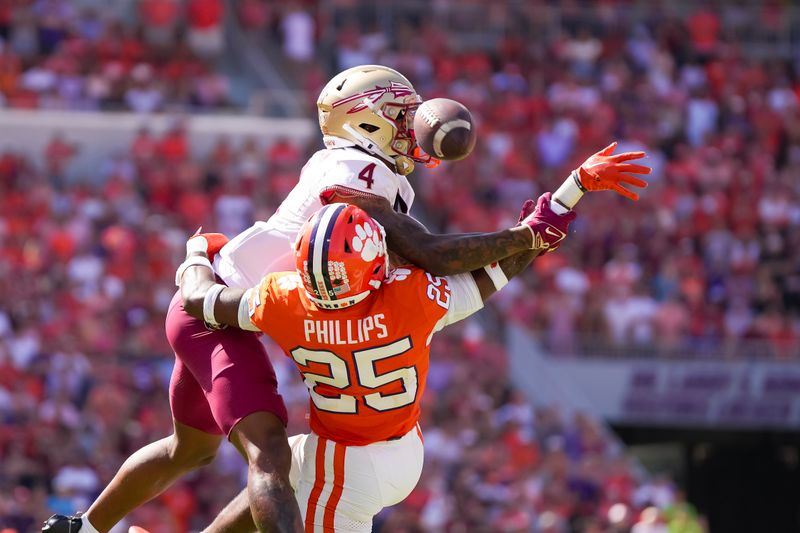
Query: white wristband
x=195 y=260
x=208 y=304
x=197 y=244
x=497 y=275
x=568 y=194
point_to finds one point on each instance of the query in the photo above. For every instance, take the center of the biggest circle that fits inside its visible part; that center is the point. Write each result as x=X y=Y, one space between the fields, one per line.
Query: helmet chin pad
x=337 y=304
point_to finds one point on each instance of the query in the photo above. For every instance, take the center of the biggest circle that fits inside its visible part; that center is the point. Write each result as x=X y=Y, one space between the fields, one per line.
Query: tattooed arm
x=469 y=291
x=441 y=255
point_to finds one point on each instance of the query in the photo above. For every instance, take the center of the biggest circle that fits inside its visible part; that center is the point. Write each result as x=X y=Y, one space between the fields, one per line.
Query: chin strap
x=337 y=304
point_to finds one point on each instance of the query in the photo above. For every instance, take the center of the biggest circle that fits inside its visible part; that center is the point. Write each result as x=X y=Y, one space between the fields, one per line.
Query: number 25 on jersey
x=365 y=370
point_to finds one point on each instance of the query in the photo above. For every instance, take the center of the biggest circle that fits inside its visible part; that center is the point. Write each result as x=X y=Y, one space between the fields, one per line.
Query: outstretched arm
x=548 y=229
x=469 y=291
x=444 y=255
x=441 y=255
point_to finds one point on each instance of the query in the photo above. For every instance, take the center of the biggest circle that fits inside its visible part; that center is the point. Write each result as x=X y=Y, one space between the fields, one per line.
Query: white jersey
x=266 y=246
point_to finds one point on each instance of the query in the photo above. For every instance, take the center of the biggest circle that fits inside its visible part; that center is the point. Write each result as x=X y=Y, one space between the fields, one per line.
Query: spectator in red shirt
x=173 y=147
x=704 y=27
x=160 y=20
x=144 y=147
x=283 y=154
x=57 y=154
x=254 y=15
x=10 y=70
x=205 y=36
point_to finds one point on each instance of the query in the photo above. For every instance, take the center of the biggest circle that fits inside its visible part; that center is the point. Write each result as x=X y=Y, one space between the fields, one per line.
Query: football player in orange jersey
x=366 y=118
x=360 y=336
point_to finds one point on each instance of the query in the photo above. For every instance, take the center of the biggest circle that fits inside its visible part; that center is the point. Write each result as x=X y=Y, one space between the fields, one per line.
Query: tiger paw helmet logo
x=368 y=242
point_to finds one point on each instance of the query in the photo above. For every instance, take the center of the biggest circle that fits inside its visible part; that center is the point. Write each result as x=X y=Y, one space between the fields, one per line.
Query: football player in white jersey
x=366 y=116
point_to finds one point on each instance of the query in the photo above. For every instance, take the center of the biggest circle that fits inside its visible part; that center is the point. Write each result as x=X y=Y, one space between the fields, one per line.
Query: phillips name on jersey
x=348 y=331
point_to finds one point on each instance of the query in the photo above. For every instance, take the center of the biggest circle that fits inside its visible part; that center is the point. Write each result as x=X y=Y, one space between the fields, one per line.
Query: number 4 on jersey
x=366 y=175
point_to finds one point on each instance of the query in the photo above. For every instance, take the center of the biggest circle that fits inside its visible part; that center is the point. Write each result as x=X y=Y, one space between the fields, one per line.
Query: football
x=444 y=129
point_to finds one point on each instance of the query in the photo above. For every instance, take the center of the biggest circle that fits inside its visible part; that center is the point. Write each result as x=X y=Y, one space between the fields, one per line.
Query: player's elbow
x=193 y=301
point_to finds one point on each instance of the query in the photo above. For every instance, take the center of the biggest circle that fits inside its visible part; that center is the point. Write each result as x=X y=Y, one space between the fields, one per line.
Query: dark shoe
x=62 y=524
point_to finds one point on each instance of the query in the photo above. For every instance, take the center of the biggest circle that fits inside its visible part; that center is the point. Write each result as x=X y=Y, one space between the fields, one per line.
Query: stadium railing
x=650 y=390
x=100 y=135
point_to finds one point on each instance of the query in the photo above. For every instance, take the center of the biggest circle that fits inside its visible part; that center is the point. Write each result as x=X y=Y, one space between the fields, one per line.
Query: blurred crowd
x=144 y=56
x=86 y=275
x=706 y=263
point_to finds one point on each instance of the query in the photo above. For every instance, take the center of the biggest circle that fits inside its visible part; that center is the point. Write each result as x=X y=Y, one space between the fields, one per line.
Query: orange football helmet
x=341 y=256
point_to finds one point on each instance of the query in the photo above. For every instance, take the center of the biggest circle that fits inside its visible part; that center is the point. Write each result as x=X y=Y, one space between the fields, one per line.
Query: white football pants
x=341 y=488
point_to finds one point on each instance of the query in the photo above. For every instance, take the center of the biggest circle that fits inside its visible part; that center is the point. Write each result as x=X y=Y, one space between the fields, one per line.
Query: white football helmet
x=373 y=107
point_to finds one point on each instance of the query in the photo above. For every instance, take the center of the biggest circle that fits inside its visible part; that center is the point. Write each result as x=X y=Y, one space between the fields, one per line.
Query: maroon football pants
x=220 y=376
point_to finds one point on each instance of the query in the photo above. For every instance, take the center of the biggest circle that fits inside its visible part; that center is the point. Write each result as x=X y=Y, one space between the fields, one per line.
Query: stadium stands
x=706 y=260
x=59 y=54
x=86 y=276
x=705 y=264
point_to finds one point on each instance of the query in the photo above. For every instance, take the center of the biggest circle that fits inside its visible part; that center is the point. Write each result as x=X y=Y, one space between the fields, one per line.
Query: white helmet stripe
x=328 y=213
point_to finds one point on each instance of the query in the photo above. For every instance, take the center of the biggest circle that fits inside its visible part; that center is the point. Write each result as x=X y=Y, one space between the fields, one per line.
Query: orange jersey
x=365 y=366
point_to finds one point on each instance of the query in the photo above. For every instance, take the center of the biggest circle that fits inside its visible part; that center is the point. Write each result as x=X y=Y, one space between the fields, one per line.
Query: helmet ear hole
x=369 y=128
x=377 y=269
x=347 y=246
